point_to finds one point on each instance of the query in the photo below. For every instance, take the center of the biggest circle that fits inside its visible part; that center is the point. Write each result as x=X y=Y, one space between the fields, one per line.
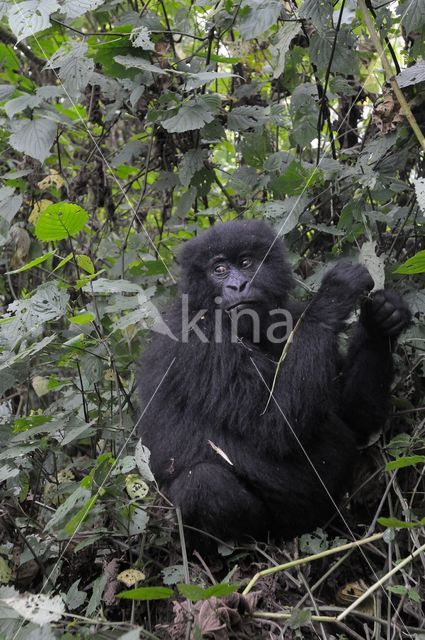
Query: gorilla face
x=246 y=268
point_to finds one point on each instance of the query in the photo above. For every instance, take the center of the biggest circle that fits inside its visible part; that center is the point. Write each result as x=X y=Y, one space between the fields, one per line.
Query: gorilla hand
x=342 y=286
x=385 y=314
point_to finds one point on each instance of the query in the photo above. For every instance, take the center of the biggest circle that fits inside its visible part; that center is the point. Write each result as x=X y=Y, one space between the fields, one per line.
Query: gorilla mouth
x=242 y=304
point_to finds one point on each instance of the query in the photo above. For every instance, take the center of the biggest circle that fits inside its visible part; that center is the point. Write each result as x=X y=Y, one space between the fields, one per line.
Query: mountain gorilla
x=242 y=444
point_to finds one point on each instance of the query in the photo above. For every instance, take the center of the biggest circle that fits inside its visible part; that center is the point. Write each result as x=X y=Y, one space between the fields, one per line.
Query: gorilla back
x=241 y=445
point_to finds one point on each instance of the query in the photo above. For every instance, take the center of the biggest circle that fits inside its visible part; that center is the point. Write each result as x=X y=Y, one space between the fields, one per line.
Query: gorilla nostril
x=243 y=286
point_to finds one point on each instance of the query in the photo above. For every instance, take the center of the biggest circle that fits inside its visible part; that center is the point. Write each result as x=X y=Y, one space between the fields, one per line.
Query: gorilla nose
x=239 y=286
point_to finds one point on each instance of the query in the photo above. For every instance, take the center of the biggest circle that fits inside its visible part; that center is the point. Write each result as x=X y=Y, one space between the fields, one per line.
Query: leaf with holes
x=30 y=17
x=60 y=221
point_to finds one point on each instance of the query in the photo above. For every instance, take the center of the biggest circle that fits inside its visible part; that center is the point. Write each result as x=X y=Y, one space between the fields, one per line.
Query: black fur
x=281 y=453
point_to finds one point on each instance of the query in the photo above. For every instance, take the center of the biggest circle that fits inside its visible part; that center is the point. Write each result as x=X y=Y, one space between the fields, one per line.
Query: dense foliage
x=125 y=127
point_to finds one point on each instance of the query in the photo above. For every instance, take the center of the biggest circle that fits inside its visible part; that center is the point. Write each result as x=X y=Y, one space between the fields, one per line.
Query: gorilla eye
x=246 y=262
x=220 y=269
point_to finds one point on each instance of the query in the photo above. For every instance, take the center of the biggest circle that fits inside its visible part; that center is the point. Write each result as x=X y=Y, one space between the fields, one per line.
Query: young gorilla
x=235 y=461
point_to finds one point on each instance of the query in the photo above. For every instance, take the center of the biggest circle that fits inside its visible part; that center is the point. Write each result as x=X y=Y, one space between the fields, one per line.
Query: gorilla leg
x=213 y=499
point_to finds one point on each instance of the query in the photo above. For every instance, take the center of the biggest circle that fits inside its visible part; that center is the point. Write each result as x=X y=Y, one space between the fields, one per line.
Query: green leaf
x=131 y=62
x=75 y=523
x=283 y=39
x=74 y=501
x=258 y=16
x=33 y=263
x=84 y=262
x=406 y=461
x=415 y=264
x=82 y=318
x=410 y=75
x=318 y=11
x=76 y=8
x=192 y=161
x=196 y=80
x=146 y=593
x=242 y=118
x=29 y=17
x=285 y=212
x=191 y=115
x=195 y=593
x=412 y=14
x=33 y=137
x=395 y=523
x=60 y=221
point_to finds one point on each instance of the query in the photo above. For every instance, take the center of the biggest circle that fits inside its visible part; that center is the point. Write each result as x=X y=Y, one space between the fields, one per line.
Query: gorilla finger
x=396 y=329
x=384 y=312
x=391 y=321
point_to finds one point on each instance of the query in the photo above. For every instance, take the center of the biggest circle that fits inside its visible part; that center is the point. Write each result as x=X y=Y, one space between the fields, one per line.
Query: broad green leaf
x=192 y=161
x=74 y=501
x=33 y=137
x=84 y=262
x=321 y=46
x=195 y=593
x=63 y=262
x=29 y=17
x=285 y=213
x=60 y=221
x=105 y=286
x=6 y=90
x=405 y=461
x=411 y=75
x=131 y=62
x=242 y=118
x=75 y=523
x=27 y=353
x=191 y=115
x=420 y=192
x=196 y=80
x=74 y=67
x=76 y=8
x=282 y=41
x=34 y=263
x=395 y=523
x=318 y=11
x=16 y=105
x=412 y=14
x=415 y=264
x=82 y=318
x=258 y=16
x=147 y=593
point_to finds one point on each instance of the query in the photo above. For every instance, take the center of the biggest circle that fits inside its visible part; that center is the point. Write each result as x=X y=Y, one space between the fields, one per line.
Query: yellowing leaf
x=54 y=178
x=5 y=571
x=40 y=385
x=137 y=488
x=131 y=577
x=37 y=209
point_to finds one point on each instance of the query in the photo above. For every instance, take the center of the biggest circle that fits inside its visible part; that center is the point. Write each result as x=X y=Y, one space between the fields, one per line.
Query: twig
x=307 y=559
x=382 y=580
x=388 y=72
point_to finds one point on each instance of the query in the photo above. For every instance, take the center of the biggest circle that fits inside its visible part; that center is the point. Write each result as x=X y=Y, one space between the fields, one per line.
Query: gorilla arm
x=306 y=389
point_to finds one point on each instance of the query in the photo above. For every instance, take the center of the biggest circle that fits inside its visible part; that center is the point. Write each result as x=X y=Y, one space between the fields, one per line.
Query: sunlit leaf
x=59 y=221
